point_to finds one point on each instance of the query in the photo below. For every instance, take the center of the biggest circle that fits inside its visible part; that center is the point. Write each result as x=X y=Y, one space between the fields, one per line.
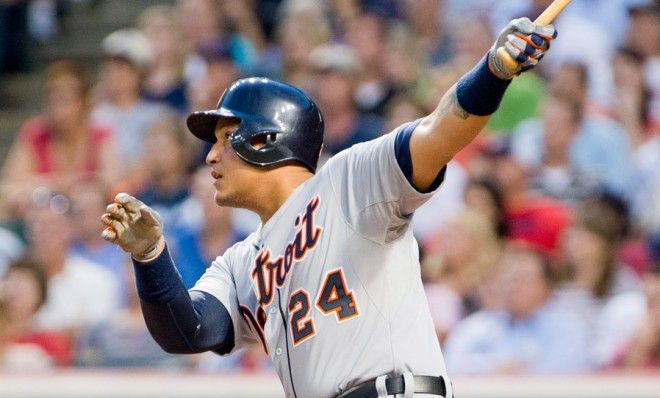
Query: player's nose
x=213 y=156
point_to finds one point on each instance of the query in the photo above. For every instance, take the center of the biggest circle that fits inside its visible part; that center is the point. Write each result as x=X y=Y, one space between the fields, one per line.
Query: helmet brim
x=202 y=124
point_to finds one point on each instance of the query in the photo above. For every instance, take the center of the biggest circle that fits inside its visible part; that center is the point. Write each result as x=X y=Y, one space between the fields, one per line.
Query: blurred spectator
x=530 y=334
x=599 y=150
x=472 y=39
x=221 y=71
x=166 y=183
x=633 y=96
x=336 y=70
x=63 y=146
x=367 y=34
x=207 y=21
x=643 y=31
x=590 y=247
x=485 y=197
x=18 y=357
x=122 y=339
x=24 y=290
x=432 y=34
x=634 y=113
x=164 y=80
x=127 y=57
x=644 y=38
x=556 y=176
x=643 y=351
x=593 y=278
x=404 y=61
x=300 y=31
x=456 y=262
x=88 y=200
x=528 y=216
x=79 y=292
x=193 y=249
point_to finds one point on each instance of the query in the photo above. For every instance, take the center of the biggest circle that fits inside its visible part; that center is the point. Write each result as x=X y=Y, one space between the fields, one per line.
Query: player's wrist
x=480 y=91
x=497 y=68
x=151 y=253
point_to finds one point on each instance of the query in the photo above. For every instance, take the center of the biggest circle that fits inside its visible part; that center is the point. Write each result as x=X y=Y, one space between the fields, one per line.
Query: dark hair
x=72 y=69
x=581 y=69
x=635 y=57
x=36 y=271
x=495 y=193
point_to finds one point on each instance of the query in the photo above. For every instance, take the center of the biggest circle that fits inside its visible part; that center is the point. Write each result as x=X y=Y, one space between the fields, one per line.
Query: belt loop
x=408 y=385
x=381 y=389
x=449 y=386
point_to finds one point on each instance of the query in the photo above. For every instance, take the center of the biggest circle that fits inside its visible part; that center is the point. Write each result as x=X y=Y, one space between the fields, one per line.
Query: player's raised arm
x=466 y=107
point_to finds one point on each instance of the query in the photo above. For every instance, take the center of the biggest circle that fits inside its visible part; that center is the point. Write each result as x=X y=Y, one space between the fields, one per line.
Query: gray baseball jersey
x=330 y=285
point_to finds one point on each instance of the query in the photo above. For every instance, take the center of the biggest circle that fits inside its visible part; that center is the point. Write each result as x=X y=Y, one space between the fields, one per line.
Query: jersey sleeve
x=219 y=282
x=372 y=183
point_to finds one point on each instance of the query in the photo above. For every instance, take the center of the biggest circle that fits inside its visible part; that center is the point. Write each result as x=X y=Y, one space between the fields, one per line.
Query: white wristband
x=151 y=253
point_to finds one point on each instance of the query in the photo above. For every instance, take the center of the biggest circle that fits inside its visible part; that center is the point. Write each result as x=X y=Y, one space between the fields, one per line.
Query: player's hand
x=525 y=42
x=134 y=227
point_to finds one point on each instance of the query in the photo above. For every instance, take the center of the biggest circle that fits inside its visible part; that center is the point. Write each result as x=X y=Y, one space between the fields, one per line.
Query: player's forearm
x=461 y=114
x=179 y=321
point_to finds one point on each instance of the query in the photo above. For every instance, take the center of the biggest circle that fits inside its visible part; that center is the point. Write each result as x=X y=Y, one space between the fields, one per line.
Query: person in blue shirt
x=528 y=334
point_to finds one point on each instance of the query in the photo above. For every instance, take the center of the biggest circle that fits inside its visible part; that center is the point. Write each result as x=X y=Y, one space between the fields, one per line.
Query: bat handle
x=546 y=17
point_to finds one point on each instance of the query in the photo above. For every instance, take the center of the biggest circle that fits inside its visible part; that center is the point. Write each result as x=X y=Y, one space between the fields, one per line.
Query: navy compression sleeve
x=181 y=322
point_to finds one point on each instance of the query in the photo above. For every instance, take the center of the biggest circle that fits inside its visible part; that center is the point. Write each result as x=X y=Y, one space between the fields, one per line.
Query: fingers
x=149 y=216
x=109 y=234
x=519 y=56
x=116 y=225
x=547 y=32
x=131 y=204
x=117 y=211
x=523 y=25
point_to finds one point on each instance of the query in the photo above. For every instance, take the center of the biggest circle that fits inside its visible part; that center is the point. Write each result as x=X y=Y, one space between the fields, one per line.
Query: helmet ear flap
x=261 y=141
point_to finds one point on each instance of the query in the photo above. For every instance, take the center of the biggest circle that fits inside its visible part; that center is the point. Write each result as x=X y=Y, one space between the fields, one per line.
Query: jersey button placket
x=278 y=351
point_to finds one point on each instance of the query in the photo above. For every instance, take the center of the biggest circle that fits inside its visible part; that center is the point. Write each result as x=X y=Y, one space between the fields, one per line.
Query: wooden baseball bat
x=546 y=17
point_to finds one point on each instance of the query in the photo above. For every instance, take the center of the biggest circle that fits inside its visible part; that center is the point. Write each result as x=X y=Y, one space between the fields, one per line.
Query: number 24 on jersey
x=334 y=298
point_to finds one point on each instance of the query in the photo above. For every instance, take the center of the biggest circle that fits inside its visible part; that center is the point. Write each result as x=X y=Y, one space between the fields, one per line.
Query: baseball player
x=330 y=283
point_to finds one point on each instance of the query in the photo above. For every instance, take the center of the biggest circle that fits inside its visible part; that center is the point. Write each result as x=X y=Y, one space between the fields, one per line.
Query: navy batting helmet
x=289 y=122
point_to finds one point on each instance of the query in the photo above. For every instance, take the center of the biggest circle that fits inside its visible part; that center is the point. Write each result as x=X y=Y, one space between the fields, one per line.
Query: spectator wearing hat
x=127 y=56
x=336 y=71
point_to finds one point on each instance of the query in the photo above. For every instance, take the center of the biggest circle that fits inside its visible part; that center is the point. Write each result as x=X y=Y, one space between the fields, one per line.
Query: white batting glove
x=525 y=42
x=134 y=227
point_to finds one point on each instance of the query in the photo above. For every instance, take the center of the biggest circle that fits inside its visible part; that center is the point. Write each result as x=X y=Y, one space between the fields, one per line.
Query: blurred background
x=540 y=253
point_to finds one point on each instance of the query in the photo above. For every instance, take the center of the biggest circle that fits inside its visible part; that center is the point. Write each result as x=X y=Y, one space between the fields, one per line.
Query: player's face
x=235 y=180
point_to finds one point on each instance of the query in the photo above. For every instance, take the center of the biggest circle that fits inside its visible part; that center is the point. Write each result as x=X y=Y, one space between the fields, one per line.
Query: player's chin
x=225 y=199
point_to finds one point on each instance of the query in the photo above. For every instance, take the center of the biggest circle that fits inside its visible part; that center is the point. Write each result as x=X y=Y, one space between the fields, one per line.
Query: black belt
x=395 y=385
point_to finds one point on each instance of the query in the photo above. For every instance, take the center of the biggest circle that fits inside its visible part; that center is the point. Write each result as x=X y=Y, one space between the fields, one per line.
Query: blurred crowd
x=540 y=253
